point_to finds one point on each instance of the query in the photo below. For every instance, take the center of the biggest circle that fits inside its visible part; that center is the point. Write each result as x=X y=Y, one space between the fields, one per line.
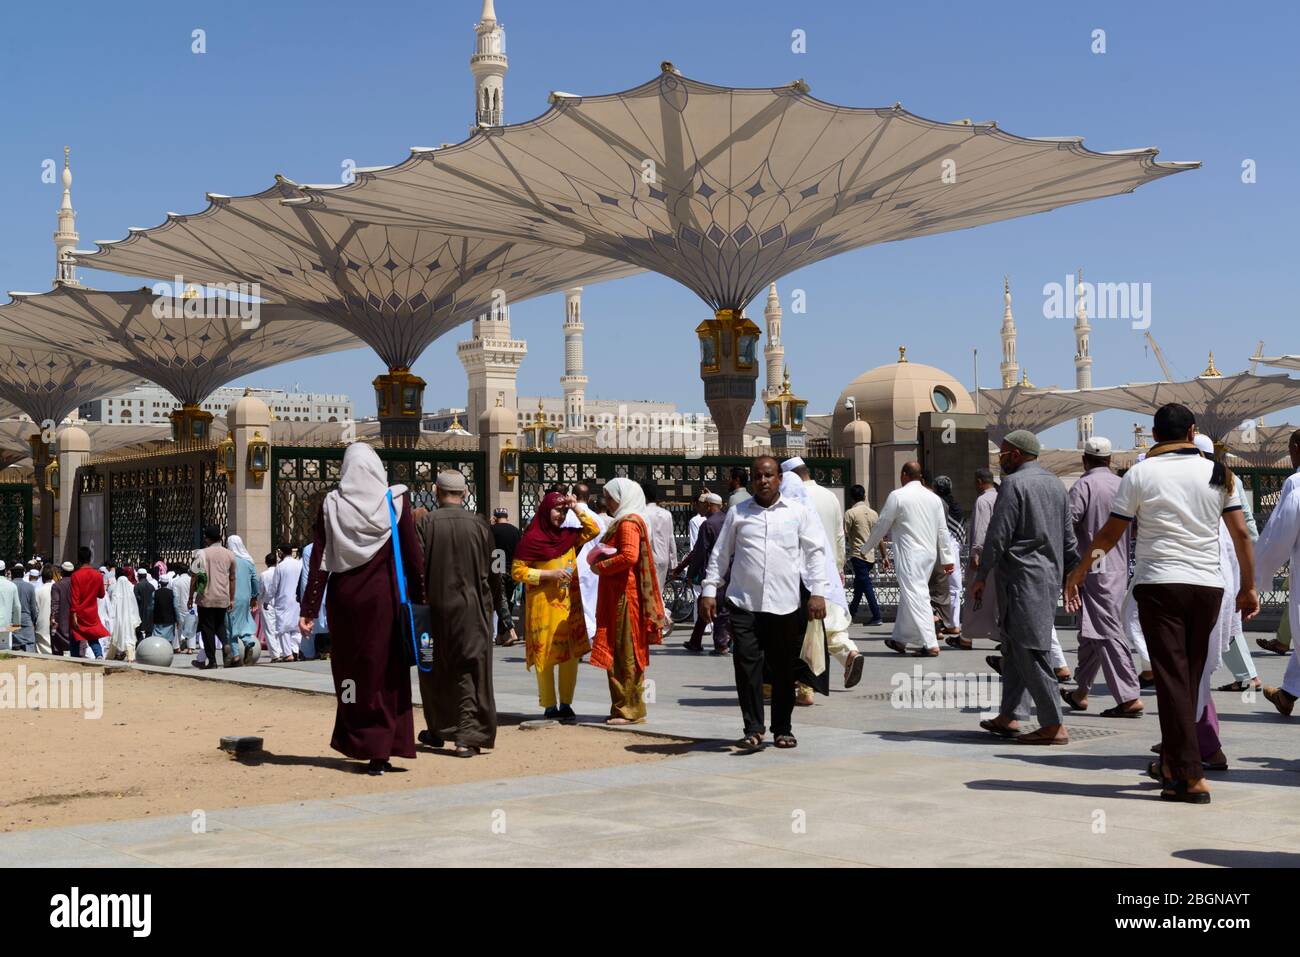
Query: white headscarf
x=630 y=499
x=794 y=490
x=356 y=513
x=236 y=545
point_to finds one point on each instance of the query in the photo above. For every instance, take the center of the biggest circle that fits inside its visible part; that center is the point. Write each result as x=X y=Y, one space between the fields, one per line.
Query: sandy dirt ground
x=154 y=751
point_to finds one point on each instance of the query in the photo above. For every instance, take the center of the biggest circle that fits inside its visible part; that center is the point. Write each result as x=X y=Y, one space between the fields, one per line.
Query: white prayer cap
x=711 y=498
x=1098 y=446
x=2 y=565
x=451 y=481
x=33 y=574
x=1203 y=442
x=789 y=465
x=68 y=567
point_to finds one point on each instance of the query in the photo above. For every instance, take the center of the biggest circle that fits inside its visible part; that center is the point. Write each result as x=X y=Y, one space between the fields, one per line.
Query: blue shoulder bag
x=413 y=621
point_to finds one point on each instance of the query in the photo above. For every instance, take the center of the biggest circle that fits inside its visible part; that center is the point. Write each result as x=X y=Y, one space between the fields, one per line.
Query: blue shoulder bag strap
x=408 y=615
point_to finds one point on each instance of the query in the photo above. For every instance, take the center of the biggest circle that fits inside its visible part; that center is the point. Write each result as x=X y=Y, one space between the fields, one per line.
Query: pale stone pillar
x=855 y=440
x=250 y=498
x=496 y=427
x=74 y=452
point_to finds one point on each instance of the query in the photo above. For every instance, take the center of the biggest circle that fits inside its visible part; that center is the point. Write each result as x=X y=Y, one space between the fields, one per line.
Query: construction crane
x=1259 y=354
x=1160 y=357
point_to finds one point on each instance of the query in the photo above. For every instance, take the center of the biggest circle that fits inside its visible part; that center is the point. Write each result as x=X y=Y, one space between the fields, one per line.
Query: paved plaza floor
x=870 y=784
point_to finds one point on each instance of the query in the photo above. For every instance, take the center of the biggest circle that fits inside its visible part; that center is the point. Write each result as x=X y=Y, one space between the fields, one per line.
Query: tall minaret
x=573 y=381
x=491 y=358
x=1009 y=367
x=774 y=351
x=65 y=239
x=1082 y=356
x=489 y=65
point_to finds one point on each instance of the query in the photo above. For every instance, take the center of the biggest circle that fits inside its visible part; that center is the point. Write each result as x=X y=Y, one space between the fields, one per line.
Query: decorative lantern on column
x=539 y=436
x=258 y=460
x=226 y=458
x=509 y=462
x=399 y=399
x=785 y=420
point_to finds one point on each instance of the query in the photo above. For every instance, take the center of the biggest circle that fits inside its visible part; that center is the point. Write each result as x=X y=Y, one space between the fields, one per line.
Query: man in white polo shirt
x=767 y=547
x=1178 y=499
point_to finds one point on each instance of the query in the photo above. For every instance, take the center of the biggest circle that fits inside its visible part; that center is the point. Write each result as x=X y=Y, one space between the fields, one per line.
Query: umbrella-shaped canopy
x=1220 y=403
x=397 y=288
x=1024 y=407
x=190 y=347
x=47 y=384
x=1263 y=446
x=725 y=189
x=104 y=436
x=1281 y=362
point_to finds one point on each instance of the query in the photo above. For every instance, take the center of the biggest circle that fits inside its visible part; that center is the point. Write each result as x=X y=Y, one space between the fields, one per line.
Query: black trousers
x=721 y=624
x=1177 y=620
x=758 y=640
x=212 y=628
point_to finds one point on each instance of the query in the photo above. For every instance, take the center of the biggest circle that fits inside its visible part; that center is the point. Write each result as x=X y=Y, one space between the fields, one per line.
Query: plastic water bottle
x=426 y=651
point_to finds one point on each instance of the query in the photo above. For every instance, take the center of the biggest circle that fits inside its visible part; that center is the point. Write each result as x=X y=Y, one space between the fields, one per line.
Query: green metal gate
x=680 y=480
x=302 y=477
x=16 y=532
x=150 y=507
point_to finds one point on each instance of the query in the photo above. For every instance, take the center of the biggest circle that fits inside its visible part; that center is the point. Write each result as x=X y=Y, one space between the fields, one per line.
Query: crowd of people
x=216 y=601
x=1162 y=562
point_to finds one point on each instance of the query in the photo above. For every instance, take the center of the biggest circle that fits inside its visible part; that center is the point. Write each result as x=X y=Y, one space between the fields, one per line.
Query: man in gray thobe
x=1030 y=545
x=1102 y=644
x=25 y=637
x=462 y=591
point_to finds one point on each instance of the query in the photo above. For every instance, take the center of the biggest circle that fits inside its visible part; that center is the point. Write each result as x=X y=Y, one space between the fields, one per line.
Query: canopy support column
x=729 y=368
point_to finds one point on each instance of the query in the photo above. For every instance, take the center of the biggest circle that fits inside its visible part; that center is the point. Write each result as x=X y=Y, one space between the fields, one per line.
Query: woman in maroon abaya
x=353 y=551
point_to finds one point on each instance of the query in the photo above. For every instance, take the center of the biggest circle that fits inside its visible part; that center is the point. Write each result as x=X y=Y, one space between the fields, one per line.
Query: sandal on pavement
x=853 y=672
x=1119 y=712
x=1002 y=731
x=1178 y=792
x=1237 y=686
x=750 y=743
x=1273 y=645
x=465 y=752
x=958 y=642
x=786 y=741
x=1045 y=740
x=926 y=653
x=1068 y=698
x=897 y=646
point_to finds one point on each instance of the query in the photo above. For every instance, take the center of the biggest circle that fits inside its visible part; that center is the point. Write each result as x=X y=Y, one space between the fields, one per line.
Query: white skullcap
x=711 y=498
x=1203 y=442
x=68 y=567
x=789 y=465
x=1098 y=446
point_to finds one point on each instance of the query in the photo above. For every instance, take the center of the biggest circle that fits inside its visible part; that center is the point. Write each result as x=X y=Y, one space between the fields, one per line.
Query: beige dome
x=74 y=439
x=248 y=410
x=889 y=398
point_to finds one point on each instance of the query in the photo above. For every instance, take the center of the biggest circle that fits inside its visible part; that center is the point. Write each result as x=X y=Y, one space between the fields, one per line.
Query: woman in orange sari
x=629 y=606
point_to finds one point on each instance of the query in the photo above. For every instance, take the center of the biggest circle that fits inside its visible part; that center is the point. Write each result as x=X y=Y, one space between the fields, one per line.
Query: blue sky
x=297 y=88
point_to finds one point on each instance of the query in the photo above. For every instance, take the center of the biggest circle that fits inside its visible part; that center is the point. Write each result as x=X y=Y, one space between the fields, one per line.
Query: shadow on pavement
x=1150 y=792
x=1225 y=858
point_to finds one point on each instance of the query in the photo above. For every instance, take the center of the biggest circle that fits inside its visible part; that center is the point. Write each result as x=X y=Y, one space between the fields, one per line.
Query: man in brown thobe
x=462 y=592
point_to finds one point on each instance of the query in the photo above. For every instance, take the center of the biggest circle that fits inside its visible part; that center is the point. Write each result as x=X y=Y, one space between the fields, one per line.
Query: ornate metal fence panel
x=302 y=477
x=680 y=480
x=16 y=539
x=155 y=506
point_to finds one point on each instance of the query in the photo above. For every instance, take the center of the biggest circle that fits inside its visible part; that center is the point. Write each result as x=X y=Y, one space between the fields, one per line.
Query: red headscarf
x=129 y=572
x=544 y=541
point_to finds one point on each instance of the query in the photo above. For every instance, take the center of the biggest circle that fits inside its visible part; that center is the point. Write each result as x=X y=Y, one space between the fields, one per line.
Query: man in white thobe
x=1279 y=543
x=831 y=513
x=269 y=630
x=693 y=526
x=284 y=597
x=914 y=519
x=663 y=542
x=43 y=602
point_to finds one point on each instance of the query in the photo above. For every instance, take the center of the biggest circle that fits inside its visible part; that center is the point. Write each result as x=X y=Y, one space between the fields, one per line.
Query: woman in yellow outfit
x=555 y=631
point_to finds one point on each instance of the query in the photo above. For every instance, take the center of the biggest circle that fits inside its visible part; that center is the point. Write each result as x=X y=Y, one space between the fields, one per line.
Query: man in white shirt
x=914 y=518
x=693 y=526
x=1279 y=543
x=284 y=596
x=765 y=548
x=663 y=542
x=1178 y=499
